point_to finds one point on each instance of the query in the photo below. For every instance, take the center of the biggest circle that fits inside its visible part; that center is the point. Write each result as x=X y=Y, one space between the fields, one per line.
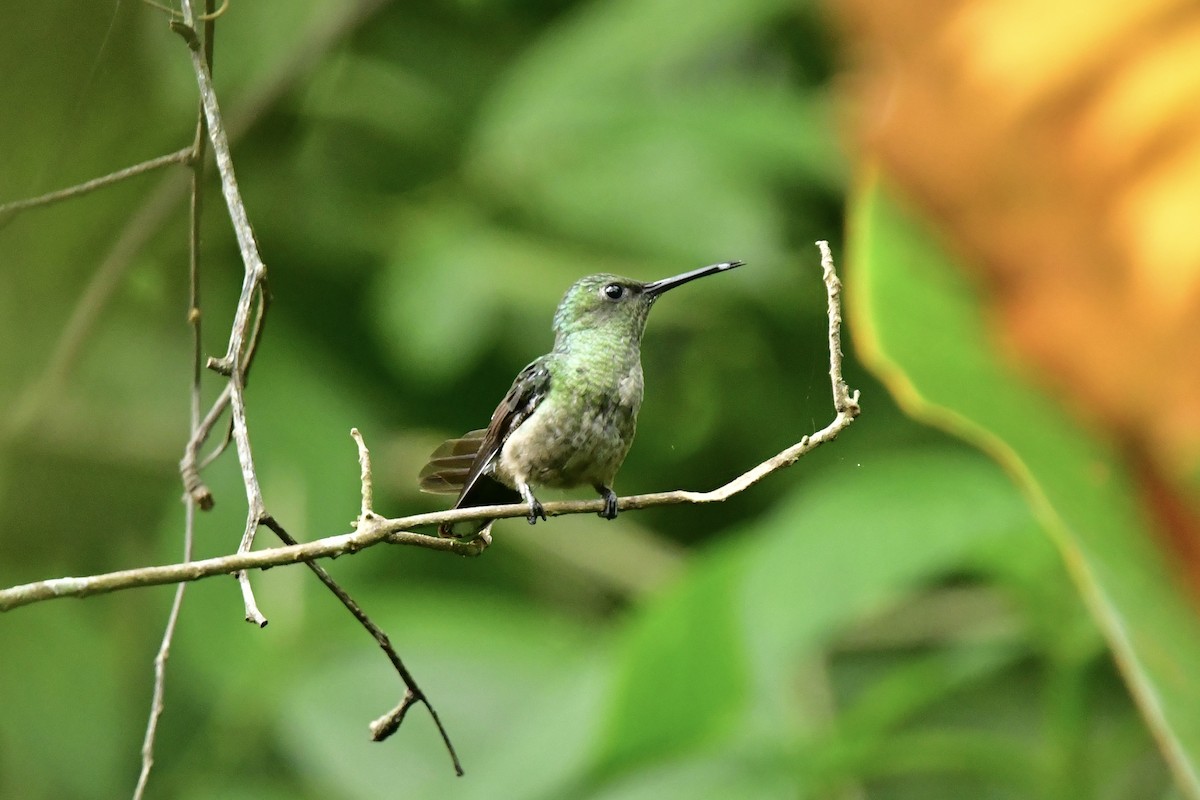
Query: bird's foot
x=535 y=511
x=610 y=502
x=535 y=508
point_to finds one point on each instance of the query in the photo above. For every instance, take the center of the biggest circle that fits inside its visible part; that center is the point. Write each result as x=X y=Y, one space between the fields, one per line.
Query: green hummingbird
x=570 y=416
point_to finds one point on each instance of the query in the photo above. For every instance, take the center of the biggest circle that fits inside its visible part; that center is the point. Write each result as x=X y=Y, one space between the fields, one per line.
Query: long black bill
x=658 y=287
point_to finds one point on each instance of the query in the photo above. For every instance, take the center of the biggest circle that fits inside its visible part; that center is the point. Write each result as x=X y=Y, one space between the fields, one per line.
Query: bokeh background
x=983 y=589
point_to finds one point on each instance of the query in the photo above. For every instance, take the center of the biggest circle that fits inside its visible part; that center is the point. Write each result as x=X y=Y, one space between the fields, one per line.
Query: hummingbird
x=570 y=416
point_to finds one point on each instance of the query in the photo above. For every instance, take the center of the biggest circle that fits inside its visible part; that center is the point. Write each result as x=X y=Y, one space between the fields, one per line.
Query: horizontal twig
x=398 y=531
x=79 y=189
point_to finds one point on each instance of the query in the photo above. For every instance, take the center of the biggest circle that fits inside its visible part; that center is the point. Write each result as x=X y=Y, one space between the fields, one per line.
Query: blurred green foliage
x=884 y=619
x=1077 y=482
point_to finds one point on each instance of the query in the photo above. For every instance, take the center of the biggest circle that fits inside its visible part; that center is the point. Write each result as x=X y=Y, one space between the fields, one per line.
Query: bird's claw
x=610 y=505
x=535 y=511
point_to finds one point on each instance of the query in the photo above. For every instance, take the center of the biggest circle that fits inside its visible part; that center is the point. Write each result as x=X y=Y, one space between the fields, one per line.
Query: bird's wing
x=459 y=463
x=526 y=393
x=449 y=465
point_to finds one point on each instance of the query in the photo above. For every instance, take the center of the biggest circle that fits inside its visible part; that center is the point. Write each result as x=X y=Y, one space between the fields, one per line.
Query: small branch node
x=389 y=723
x=852 y=406
x=221 y=366
x=187 y=32
x=364 y=463
x=193 y=485
x=202 y=496
x=253 y=615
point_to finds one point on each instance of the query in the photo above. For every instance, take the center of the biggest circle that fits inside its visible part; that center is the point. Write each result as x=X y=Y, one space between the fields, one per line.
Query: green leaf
x=876 y=719
x=683 y=674
x=851 y=544
x=716 y=657
x=921 y=326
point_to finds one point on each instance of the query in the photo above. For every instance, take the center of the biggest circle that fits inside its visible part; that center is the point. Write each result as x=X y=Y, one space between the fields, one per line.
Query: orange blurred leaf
x=1057 y=146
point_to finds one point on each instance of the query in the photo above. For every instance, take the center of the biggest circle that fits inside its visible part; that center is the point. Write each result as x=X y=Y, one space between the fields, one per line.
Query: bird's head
x=616 y=305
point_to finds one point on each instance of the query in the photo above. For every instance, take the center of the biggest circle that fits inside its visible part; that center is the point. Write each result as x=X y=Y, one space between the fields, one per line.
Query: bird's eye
x=614 y=291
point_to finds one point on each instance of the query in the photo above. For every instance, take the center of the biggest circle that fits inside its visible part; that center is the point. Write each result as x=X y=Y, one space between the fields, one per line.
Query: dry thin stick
x=188 y=466
x=396 y=531
x=255 y=275
x=160 y=660
x=256 y=509
x=233 y=363
x=364 y=475
x=389 y=723
x=412 y=693
x=196 y=160
x=10 y=210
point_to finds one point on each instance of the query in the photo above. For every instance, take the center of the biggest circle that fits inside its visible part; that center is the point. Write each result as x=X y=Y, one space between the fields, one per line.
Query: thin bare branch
x=160 y=661
x=244 y=338
x=196 y=161
x=255 y=270
x=412 y=693
x=246 y=323
x=256 y=509
x=364 y=469
x=10 y=210
x=842 y=400
x=253 y=615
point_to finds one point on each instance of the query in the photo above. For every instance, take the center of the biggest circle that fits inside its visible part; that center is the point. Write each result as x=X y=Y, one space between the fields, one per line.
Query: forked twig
x=390 y=722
